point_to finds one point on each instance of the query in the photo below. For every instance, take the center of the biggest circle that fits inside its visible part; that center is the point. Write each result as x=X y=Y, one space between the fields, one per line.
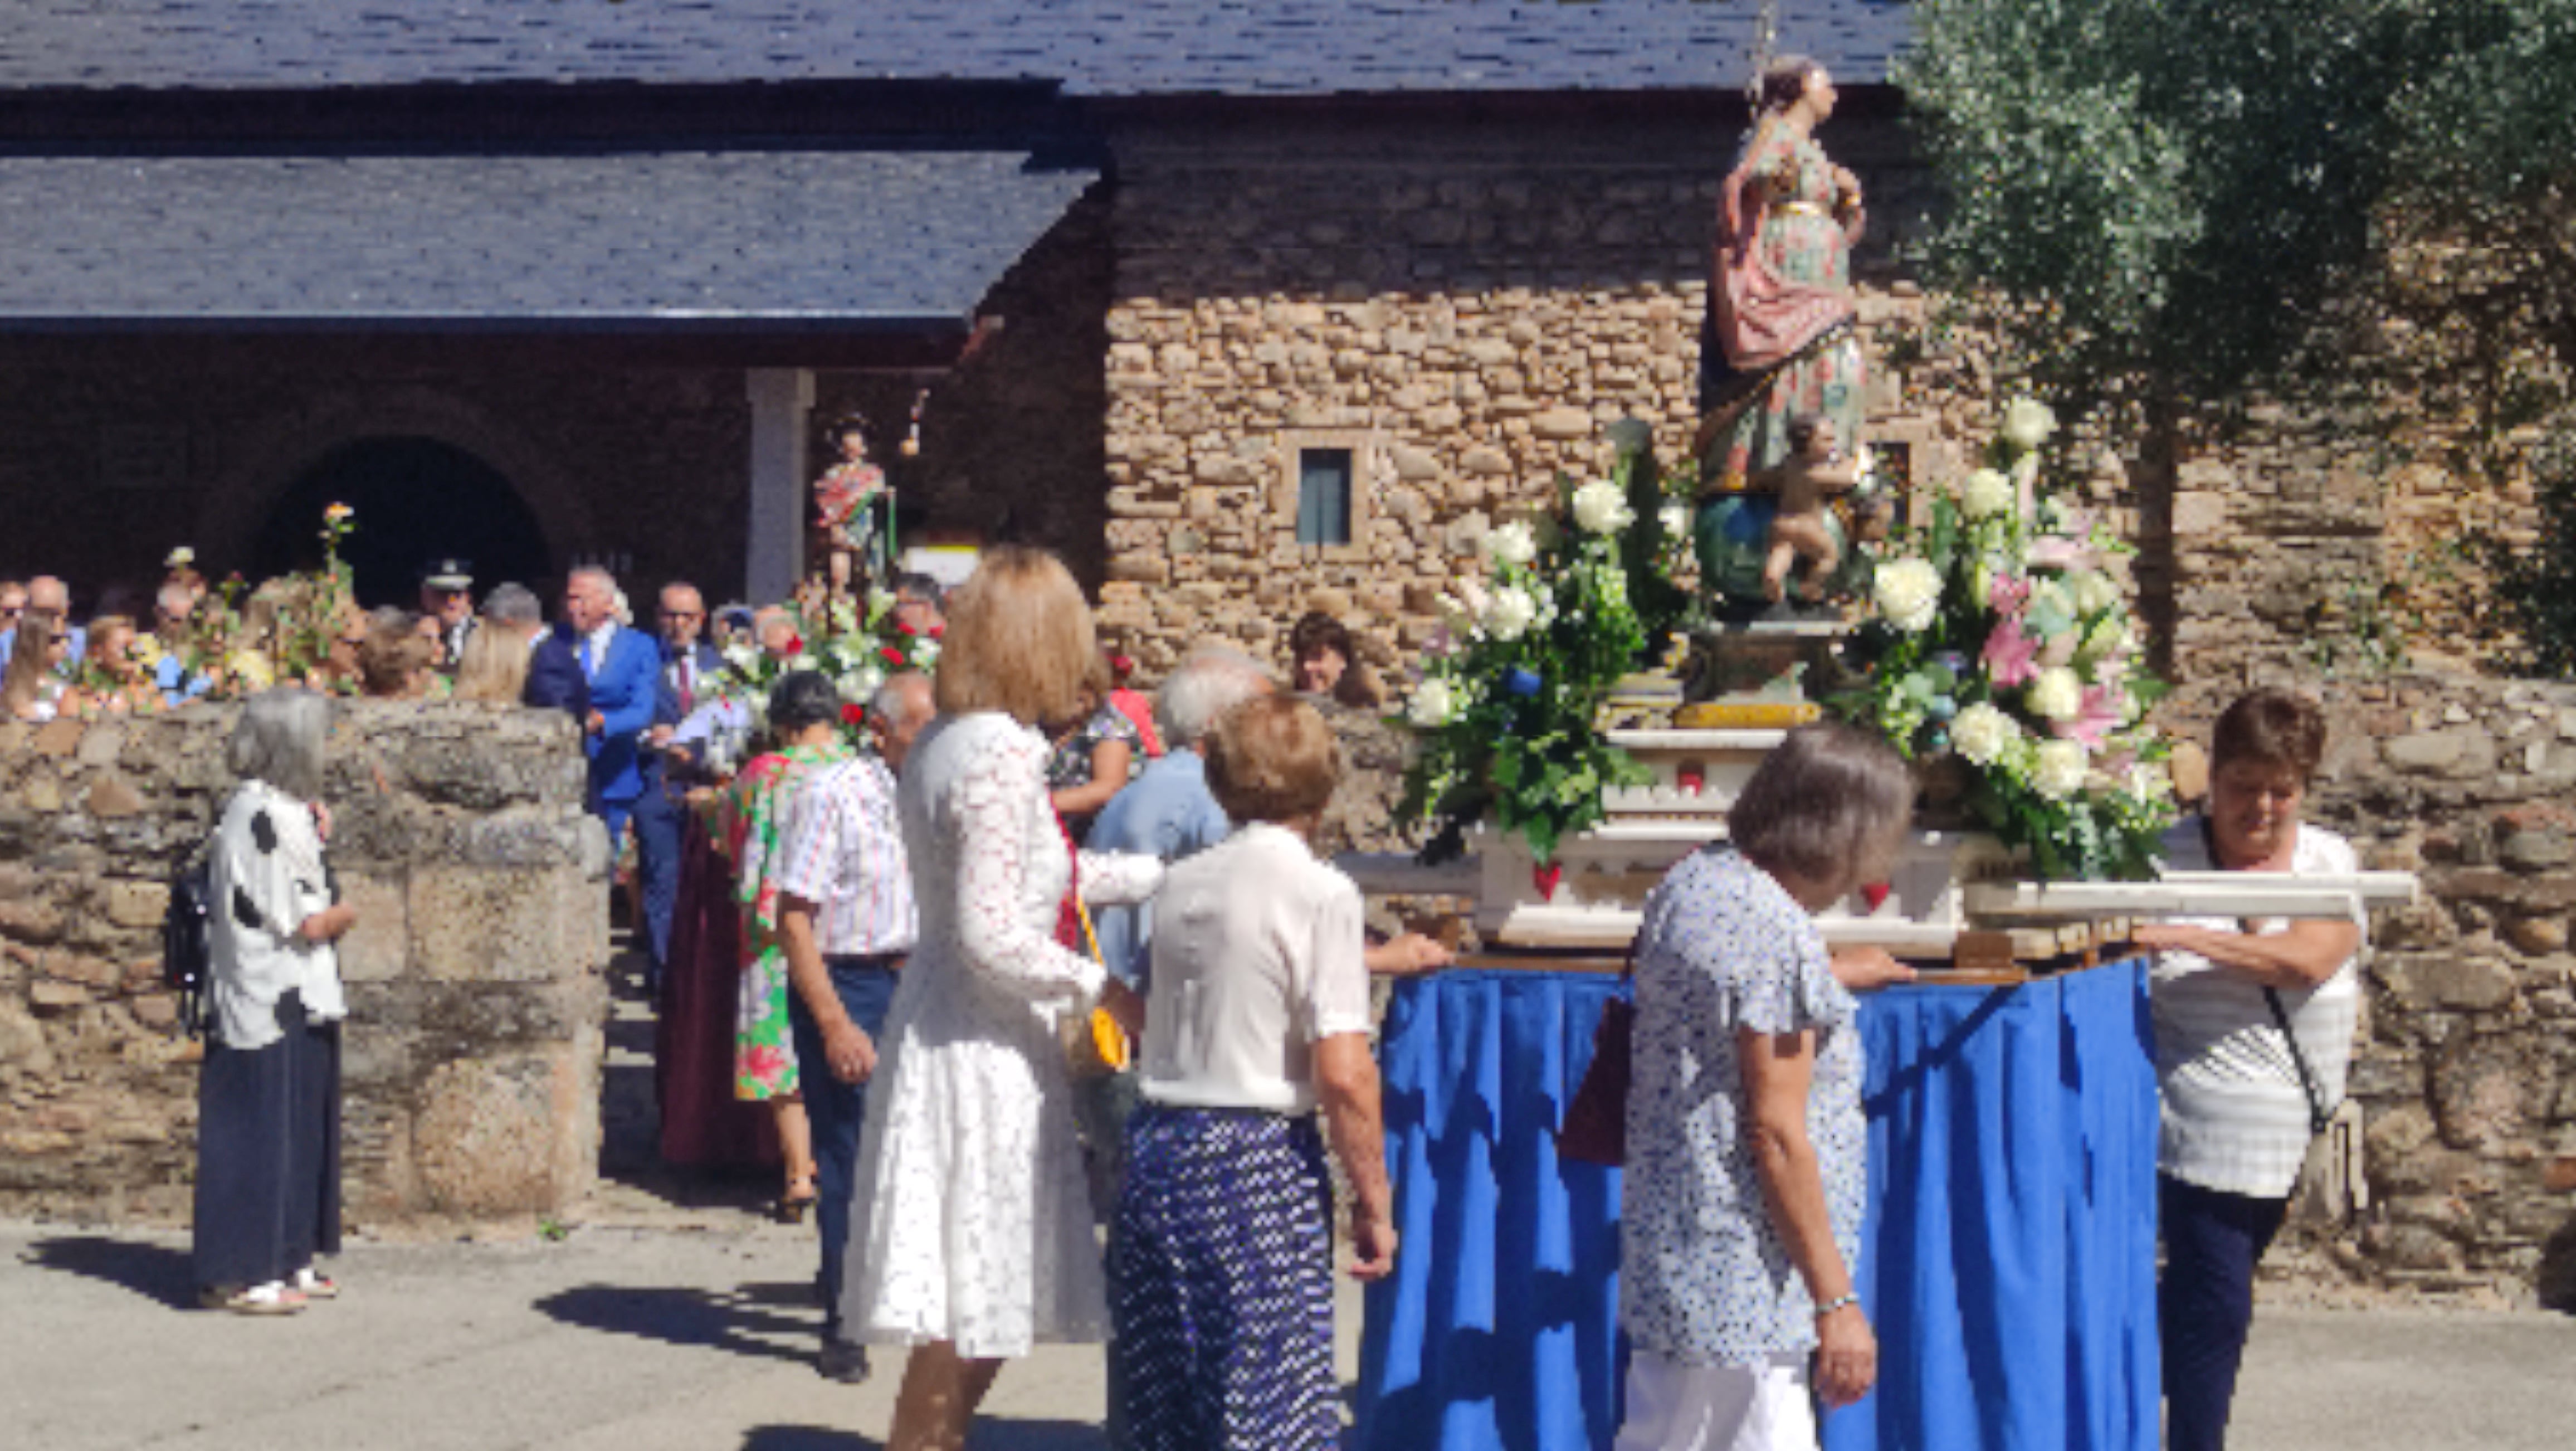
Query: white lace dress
x=970 y=1221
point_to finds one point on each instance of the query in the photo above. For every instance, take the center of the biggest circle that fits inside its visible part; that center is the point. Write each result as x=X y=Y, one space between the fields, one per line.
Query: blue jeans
x=2205 y=1302
x=836 y=1110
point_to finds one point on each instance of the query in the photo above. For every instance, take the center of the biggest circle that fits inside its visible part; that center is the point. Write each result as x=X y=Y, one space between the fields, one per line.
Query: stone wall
x=476 y=971
x=1464 y=311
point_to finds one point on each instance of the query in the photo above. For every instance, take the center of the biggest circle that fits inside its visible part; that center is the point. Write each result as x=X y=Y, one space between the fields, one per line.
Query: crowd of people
x=1025 y=957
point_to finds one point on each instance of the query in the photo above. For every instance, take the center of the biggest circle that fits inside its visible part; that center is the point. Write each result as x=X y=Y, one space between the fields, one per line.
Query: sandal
x=312 y=1284
x=799 y=1198
x=273 y=1298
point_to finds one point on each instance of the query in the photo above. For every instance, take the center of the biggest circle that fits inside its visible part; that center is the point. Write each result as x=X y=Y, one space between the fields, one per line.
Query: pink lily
x=2104 y=709
x=2008 y=594
x=2010 y=657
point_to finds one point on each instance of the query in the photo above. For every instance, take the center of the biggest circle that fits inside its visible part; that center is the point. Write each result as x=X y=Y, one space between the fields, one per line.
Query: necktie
x=688 y=685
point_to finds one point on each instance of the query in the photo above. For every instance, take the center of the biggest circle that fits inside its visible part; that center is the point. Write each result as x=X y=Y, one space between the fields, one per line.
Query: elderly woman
x=268 y=1094
x=1222 y=1254
x=1743 y=1194
x=1098 y=750
x=2254 y=1025
x=970 y=1232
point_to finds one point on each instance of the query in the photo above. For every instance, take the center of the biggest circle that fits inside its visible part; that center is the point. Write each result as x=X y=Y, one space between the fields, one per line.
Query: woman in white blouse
x=1221 y=1256
x=970 y=1226
x=268 y=1094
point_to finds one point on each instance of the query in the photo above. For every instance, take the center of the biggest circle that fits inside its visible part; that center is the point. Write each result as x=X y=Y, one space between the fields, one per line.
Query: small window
x=1324 y=496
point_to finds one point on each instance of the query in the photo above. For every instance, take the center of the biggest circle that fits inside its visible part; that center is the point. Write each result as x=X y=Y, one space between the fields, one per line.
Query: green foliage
x=2537 y=585
x=2160 y=194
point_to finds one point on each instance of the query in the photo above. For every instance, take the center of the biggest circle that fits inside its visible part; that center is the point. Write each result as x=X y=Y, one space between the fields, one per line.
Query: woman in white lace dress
x=970 y=1227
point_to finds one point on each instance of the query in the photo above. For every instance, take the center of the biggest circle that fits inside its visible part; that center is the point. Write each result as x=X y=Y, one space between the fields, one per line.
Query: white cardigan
x=267 y=878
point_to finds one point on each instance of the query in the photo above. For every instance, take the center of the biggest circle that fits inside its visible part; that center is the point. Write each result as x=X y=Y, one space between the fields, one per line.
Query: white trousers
x=1674 y=1405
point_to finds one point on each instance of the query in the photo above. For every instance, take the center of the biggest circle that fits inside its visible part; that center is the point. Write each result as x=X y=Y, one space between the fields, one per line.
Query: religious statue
x=1782 y=351
x=842 y=500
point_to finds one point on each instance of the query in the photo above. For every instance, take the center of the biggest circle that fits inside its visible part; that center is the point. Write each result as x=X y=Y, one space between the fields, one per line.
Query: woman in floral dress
x=805 y=720
x=1780 y=300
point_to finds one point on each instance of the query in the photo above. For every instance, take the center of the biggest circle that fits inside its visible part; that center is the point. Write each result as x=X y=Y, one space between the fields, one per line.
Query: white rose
x=925 y=653
x=2092 y=591
x=1982 y=733
x=1985 y=494
x=2056 y=695
x=2028 y=423
x=2149 y=782
x=1908 y=593
x=1510 y=613
x=741 y=657
x=1601 y=508
x=1432 y=703
x=1510 y=544
x=869 y=677
x=1676 y=519
x=2057 y=769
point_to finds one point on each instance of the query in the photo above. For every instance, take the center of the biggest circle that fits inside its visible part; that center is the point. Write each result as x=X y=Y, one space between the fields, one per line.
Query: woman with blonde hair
x=970 y=1226
x=33 y=688
x=494 y=666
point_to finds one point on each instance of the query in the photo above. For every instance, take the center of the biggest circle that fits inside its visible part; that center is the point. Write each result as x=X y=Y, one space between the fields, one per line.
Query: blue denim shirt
x=1165 y=813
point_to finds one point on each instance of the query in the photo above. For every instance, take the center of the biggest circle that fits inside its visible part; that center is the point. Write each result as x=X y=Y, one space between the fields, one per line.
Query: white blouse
x=267 y=878
x=1258 y=953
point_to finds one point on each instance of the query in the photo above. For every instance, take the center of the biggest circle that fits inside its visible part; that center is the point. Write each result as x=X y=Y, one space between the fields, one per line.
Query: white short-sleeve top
x=1258 y=953
x=2235 y=1117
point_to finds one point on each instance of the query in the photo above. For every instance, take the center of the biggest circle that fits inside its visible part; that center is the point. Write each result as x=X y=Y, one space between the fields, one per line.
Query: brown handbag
x=1595 y=1130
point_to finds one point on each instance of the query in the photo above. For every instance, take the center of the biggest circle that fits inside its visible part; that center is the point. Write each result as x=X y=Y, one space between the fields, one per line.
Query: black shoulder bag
x=2318 y=1114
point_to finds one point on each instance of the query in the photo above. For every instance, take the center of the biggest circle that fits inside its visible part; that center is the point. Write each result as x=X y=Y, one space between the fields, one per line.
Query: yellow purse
x=1100 y=1045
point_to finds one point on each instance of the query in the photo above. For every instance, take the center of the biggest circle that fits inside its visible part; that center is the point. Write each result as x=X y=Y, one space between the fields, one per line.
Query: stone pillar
x=781 y=400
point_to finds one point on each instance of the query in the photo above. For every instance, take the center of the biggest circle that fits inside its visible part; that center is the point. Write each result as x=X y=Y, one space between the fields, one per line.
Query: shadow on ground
x=989 y=1435
x=159 y=1273
x=753 y=1321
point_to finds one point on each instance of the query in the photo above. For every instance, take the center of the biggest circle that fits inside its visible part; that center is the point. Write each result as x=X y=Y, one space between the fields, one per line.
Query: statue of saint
x=841 y=499
x=1780 y=348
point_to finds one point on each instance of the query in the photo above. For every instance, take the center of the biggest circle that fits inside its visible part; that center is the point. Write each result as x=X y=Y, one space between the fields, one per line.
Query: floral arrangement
x=2003 y=657
x=856 y=644
x=1505 y=710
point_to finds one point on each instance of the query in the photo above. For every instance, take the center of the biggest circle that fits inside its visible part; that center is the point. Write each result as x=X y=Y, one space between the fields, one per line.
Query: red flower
x=936 y=631
x=892 y=655
x=854 y=715
x=795 y=644
x=904 y=627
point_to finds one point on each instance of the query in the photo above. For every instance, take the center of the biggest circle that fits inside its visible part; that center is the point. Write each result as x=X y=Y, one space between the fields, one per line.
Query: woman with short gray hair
x=268 y=1093
x=1742 y=1202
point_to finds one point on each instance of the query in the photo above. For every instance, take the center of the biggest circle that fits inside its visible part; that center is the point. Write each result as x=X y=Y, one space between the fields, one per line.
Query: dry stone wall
x=476 y=972
x=1463 y=313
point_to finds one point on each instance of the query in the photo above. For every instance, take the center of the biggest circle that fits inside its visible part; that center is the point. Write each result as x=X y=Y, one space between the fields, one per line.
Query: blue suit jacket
x=622 y=689
x=555 y=680
x=667 y=709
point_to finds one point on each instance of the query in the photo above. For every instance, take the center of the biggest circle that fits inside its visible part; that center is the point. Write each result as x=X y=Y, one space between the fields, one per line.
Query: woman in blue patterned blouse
x=1746 y=1167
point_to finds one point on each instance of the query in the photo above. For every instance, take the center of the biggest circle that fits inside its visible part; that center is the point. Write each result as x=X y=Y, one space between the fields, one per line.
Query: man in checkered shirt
x=846 y=917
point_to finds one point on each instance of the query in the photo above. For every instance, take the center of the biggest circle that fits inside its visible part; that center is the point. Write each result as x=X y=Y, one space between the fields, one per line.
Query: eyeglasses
x=684 y=614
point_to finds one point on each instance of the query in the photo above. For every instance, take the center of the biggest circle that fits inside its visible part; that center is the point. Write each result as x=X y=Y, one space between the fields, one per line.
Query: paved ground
x=673 y=1317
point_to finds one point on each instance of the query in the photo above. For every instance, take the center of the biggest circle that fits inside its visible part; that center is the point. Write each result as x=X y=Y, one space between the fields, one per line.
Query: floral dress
x=752 y=822
x=1786 y=304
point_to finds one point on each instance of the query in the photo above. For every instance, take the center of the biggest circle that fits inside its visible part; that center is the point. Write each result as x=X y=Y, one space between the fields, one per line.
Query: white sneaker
x=314 y=1285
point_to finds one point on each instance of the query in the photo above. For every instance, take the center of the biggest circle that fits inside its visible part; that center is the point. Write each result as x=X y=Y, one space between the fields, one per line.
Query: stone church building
x=547 y=285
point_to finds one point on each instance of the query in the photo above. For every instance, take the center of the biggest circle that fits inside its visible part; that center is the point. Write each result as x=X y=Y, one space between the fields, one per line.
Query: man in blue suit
x=690 y=667
x=621 y=668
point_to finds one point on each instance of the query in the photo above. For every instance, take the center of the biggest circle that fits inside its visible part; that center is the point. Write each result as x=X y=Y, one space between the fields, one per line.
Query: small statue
x=841 y=499
x=1814 y=472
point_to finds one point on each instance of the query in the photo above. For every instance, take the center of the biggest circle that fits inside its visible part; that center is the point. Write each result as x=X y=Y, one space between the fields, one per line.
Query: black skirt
x=268 y=1153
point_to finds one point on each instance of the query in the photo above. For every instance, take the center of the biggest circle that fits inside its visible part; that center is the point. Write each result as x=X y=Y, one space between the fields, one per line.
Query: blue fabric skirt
x=1221 y=1283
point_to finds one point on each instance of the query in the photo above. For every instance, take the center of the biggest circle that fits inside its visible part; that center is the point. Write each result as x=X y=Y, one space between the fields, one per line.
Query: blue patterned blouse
x=1705 y=1278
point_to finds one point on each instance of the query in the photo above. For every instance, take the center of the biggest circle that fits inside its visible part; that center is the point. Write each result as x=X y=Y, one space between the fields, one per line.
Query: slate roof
x=649 y=238
x=1093 y=47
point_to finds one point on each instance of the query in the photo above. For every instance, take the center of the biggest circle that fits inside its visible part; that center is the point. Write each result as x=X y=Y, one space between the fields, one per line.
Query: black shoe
x=845 y=1361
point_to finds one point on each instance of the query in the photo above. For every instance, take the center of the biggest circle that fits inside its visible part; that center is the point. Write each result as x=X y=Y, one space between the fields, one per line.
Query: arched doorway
x=417 y=499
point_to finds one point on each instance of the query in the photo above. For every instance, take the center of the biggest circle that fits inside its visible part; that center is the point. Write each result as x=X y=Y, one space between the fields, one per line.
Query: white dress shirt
x=1258 y=953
